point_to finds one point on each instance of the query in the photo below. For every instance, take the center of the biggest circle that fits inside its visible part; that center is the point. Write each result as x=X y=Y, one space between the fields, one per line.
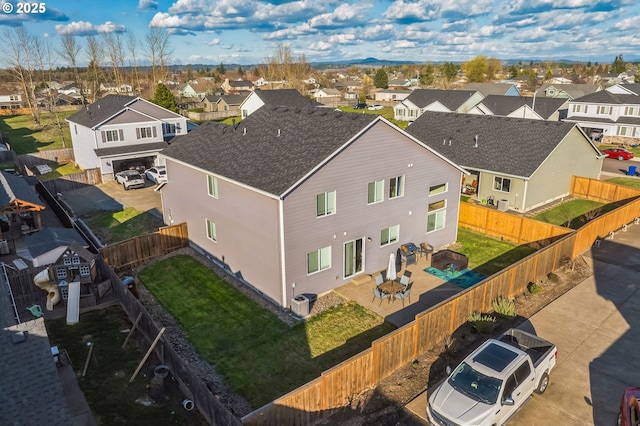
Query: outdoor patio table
x=391 y=287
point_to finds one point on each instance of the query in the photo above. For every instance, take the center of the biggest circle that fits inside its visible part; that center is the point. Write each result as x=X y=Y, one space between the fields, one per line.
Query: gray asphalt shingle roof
x=141 y=147
x=452 y=99
x=14 y=188
x=100 y=110
x=31 y=392
x=606 y=97
x=281 y=145
x=505 y=105
x=285 y=97
x=51 y=238
x=490 y=88
x=511 y=146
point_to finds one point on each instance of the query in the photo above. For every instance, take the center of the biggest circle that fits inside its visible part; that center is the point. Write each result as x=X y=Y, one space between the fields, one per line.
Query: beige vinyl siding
x=246 y=224
x=573 y=156
x=381 y=154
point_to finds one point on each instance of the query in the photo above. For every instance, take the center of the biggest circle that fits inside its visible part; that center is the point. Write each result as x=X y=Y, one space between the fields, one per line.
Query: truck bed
x=536 y=347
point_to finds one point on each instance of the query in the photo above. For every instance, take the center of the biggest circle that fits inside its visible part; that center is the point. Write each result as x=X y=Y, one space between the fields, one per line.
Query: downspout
x=282 y=258
x=524 y=196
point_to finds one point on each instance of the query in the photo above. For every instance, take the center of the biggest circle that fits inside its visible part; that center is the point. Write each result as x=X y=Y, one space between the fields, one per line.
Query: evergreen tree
x=240 y=70
x=618 y=66
x=381 y=80
x=164 y=98
x=449 y=71
x=220 y=69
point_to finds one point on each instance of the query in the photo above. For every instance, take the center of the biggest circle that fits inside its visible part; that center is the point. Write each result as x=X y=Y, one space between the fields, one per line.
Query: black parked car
x=360 y=106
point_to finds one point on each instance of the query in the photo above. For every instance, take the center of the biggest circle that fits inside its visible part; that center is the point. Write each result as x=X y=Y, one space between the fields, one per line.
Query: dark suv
x=360 y=106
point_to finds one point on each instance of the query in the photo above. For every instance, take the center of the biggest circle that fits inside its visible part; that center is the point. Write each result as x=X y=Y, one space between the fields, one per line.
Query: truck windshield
x=475 y=385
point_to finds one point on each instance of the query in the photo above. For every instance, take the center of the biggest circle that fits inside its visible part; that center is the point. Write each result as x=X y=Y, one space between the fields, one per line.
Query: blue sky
x=247 y=31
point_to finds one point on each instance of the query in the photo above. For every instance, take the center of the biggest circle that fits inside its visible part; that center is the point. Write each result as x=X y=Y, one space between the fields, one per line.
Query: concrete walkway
x=596 y=327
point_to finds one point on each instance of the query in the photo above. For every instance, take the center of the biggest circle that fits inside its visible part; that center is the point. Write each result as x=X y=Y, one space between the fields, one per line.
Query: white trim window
x=625 y=131
x=112 y=135
x=375 y=192
x=578 y=108
x=212 y=186
x=326 y=203
x=145 y=132
x=390 y=235
x=318 y=260
x=212 y=234
x=436 y=214
x=501 y=184
x=438 y=189
x=632 y=111
x=604 y=110
x=396 y=187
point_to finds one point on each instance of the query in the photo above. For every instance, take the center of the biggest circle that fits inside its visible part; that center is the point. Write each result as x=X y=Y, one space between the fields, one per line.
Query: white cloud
x=147 y=4
x=87 y=28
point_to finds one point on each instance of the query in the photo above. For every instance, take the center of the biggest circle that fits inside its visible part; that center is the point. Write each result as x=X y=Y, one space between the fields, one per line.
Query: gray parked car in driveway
x=130 y=179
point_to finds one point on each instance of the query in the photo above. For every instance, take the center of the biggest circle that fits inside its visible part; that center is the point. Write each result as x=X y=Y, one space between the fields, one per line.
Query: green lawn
x=632 y=182
x=571 y=213
x=488 y=255
x=106 y=383
x=60 y=170
x=260 y=357
x=112 y=227
x=25 y=137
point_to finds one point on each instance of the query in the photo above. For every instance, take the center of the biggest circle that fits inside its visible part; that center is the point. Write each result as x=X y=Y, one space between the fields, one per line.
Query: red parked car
x=619 y=153
x=630 y=408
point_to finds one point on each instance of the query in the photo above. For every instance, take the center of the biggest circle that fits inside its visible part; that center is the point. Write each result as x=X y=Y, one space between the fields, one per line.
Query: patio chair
x=379 y=279
x=425 y=250
x=405 y=294
x=404 y=279
x=380 y=294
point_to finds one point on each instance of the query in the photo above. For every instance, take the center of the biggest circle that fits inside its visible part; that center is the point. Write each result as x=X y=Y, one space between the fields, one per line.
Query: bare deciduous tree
x=17 y=48
x=132 y=44
x=157 y=47
x=282 y=67
x=115 y=51
x=94 y=73
x=43 y=59
x=70 y=50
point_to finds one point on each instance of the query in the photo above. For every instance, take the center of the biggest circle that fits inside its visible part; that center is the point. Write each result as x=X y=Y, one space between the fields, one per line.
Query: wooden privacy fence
x=513 y=228
x=193 y=387
x=335 y=388
x=133 y=252
x=74 y=181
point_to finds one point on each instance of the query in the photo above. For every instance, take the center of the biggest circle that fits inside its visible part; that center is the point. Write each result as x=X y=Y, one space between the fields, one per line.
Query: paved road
x=596 y=327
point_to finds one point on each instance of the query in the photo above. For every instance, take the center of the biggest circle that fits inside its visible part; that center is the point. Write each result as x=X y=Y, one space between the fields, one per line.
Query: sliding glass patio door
x=353 y=257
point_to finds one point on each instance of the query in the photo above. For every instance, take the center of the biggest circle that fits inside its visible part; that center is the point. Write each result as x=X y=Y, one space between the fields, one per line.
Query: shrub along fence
x=335 y=387
x=130 y=253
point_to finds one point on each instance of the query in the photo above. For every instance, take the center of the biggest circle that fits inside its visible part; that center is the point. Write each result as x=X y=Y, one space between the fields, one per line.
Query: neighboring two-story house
x=303 y=200
x=612 y=114
x=537 y=108
x=236 y=86
x=215 y=103
x=421 y=100
x=279 y=97
x=519 y=163
x=117 y=130
x=567 y=91
x=10 y=99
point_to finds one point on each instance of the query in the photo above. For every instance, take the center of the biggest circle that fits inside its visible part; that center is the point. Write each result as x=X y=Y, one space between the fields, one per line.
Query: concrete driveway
x=112 y=197
x=596 y=327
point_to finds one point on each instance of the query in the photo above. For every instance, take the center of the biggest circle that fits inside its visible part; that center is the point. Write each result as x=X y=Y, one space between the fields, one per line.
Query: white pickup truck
x=491 y=384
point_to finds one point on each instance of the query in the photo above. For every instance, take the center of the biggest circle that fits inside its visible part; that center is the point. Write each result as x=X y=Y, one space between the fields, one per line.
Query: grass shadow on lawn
x=261 y=357
x=488 y=255
x=576 y=212
x=111 y=227
x=25 y=137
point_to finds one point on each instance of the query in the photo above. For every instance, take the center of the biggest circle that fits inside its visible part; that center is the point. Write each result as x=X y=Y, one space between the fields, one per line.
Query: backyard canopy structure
x=17 y=197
